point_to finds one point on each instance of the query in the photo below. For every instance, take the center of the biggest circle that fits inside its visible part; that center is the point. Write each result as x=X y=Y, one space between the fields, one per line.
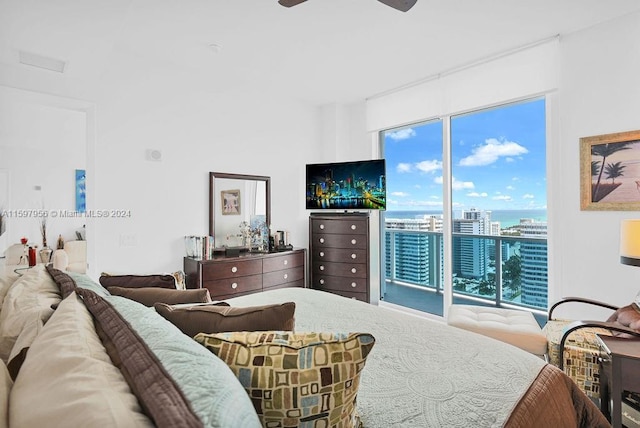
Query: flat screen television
x=358 y=185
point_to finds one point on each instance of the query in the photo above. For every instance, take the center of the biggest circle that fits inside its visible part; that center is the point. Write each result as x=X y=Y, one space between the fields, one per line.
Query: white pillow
x=26 y=307
x=68 y=379
x=5 y=388
x=7 y=277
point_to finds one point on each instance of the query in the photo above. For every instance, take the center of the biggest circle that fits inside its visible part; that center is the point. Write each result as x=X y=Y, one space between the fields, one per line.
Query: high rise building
x=533 y=256
x=415 y=257
x=471 y=255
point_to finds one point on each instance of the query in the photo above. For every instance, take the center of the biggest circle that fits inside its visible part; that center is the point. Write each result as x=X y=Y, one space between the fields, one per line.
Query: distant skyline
x=498 y=161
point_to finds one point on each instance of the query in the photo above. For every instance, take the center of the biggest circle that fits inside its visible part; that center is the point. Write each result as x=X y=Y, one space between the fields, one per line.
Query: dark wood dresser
x=339 y=254
x=227 y=277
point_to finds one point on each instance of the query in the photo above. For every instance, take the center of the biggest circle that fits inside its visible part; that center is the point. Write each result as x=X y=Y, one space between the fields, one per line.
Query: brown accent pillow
x=217 y=319
x=138 y=281
x=150 y=295
x=65 y=283
x=627 y=316
x=159 y=396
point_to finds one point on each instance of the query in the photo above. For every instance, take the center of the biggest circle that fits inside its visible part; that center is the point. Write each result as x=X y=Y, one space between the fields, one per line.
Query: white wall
x=41 y=146
x=197 y=133
x=600 y=94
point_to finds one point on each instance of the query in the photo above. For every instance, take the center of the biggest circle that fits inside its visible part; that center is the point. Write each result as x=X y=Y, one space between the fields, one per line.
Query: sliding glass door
x=498 y=227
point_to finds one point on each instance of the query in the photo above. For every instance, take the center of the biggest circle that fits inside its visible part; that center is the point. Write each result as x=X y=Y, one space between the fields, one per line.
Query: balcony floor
x=429 y=301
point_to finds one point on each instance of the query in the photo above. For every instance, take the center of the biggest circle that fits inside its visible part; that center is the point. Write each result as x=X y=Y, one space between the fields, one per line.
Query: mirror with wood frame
x=239 y=210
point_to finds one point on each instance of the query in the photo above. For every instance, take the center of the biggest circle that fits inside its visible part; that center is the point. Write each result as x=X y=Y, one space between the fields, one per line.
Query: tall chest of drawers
x=339 y=254
x=227 y=277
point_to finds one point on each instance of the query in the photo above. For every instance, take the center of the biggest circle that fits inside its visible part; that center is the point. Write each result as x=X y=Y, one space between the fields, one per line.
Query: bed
x=422 y=373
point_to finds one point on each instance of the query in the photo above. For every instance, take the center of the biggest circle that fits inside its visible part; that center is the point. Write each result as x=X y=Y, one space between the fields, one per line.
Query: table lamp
x=630 y=242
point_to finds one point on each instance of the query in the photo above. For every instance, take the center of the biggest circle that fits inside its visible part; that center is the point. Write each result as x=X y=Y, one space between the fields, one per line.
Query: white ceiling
x=321 y=51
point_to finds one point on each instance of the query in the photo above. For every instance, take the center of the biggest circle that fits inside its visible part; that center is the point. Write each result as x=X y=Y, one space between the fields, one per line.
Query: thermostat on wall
x=154 y=155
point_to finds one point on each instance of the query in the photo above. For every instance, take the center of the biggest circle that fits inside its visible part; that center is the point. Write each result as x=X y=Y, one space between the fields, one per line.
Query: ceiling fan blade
x=289 y=3
x=401 y=5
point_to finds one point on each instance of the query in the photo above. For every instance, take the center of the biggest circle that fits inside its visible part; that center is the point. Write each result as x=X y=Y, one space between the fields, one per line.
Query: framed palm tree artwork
x=610 y=172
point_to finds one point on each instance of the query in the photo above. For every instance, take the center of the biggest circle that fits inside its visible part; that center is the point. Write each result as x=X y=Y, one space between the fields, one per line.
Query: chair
x=574 y=348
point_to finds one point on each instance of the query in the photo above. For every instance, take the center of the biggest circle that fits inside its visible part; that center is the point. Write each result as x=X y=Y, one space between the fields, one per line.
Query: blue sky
x=498 y=161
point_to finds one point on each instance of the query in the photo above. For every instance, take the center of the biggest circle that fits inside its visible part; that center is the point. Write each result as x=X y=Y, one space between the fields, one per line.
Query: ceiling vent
x=35 y=60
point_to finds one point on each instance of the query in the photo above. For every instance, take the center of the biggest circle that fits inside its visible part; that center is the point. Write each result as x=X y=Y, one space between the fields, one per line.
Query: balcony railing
x=415 y=258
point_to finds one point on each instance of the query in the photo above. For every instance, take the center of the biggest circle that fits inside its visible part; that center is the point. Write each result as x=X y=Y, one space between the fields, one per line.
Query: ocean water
x=505 y=217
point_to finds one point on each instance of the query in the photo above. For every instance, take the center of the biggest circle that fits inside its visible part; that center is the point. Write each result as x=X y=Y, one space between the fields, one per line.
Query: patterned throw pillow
x=296 y=379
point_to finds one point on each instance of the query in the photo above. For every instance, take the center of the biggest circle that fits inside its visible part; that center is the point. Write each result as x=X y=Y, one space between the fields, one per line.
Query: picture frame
x=230 y=202
x=610 y=172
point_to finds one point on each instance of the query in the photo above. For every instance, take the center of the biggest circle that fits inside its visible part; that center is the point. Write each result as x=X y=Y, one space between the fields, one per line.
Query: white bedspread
x=421 y=373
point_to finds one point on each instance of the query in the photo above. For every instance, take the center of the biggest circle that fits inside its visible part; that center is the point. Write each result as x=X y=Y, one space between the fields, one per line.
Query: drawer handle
x=353 y=270
x=353 y=227
x=286 y=262
x=234 y=269
x=353 y=256
x=353 y=285
x=286 y=275
x=321 y=282
x=354 y=242
x=322 y=240
x=321 y=253
x=322 y=227
x=321 y=267
x=234 y=285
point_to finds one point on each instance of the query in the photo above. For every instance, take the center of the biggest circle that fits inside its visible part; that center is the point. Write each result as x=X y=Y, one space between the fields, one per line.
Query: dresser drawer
x=228 y=286
x=342 y=255
x=338 y=241
x=350 y=226
x=280 y=262
x=336 y=283
x=231 y=269
x=284 y=276
x=348 y=270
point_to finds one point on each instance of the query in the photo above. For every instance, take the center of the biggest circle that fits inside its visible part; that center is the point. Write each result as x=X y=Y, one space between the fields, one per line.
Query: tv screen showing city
x=356 y=185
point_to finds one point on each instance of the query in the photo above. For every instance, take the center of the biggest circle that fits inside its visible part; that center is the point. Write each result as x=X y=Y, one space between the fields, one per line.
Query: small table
x=619 y=371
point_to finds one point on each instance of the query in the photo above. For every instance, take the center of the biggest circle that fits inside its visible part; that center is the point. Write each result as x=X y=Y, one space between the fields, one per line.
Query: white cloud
x=429 y=166
x=502 y=198
x=510 y=187
x=402 y=134
x=403 y=167
x=456 y=185
x=400 y=194
x=528 y=196
x=491 y=151
x=477 y=195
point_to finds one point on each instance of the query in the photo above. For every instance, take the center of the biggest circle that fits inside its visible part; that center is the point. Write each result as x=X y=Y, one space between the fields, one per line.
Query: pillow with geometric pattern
x=294 y=379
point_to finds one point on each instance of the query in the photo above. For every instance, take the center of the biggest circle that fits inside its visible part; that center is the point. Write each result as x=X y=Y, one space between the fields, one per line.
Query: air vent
x=35 y=60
